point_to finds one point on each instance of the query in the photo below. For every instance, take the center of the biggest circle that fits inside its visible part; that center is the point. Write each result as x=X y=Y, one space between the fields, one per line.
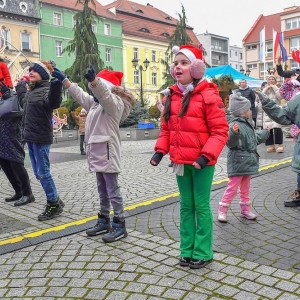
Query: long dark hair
x=185 y=103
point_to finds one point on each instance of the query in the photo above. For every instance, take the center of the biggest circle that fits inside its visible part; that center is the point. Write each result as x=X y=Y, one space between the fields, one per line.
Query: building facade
x=236 y=57
x=216 y=49
x=19 y=34
x=287 y=22
x=56 y=30
x=145 y=36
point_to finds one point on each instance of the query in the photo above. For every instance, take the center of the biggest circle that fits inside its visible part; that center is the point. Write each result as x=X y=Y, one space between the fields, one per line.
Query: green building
x=56 y=30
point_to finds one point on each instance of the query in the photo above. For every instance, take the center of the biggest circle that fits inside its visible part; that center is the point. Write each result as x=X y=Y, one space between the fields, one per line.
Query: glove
x=202 y=161
x=91 y=74
x=295 y=82
x=3 y=87
x=262 y=97
x=157 y=158
x=59 y=75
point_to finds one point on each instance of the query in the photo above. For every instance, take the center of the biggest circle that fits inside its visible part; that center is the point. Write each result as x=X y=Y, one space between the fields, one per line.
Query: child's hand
x=196 y=165
x=91 y=74
x=235 y=127
x=268 y=128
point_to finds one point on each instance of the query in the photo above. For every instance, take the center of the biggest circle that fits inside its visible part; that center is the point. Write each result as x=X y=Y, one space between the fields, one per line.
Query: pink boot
x=222 y=212
x=246 y=211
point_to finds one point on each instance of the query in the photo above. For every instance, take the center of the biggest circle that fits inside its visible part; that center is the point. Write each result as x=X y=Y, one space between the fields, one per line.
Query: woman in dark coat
x=12 y=154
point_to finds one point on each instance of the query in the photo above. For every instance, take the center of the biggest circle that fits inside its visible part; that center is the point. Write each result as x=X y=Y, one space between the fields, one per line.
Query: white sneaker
x=249 y=216
x=222 y=218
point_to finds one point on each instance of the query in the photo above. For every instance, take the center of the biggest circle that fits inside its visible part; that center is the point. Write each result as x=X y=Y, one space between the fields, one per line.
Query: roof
x=155 y=22
x=71 y=4
x=269 y=22
x=290 y=10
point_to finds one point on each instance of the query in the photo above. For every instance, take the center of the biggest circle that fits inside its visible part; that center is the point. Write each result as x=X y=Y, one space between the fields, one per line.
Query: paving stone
x=245 y=296
x=287 y=296
x=269 y=292
x=265 y=270
x=149 y=279
x=249 y=274
x=174 y=294
x=267 y=280
x=115 y=285
x=17 y=292
x=137 y=297
x=36 y=291
x=283 y=274
x=57 y=292
x=287 y=286
x=99 y=283
x=249 y=286
x=117 y=296
x=96 y=294
x=135 y=287
x=195 y=296
x=210 y=285
x=227 y=291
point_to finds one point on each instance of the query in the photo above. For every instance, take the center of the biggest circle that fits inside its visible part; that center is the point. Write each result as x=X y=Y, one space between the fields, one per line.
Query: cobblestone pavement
x=253 y=260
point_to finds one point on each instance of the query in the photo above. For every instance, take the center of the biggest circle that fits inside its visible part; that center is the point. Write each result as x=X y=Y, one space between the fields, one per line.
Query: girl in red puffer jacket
x=194 y=132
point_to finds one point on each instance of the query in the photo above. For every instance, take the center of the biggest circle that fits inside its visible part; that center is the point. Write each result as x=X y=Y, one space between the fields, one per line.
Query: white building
x=236 y=57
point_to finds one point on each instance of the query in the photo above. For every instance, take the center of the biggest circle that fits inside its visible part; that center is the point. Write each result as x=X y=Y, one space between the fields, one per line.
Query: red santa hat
x=189 y=51
x=197 y=68
x=110 y=78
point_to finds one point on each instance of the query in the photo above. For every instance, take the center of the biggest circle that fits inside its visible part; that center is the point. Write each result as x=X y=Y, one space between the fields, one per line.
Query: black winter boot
x=102 y=226
x=117 y=231
x=295 y=201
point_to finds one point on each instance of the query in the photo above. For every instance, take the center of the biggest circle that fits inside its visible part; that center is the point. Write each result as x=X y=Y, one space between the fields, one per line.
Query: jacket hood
x=127 y=98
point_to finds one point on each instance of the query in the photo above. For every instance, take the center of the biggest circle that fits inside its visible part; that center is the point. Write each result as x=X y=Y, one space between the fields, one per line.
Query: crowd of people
x=195 y=128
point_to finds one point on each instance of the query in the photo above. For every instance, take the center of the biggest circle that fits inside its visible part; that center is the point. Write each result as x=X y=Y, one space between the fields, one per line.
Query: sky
x=229 y=18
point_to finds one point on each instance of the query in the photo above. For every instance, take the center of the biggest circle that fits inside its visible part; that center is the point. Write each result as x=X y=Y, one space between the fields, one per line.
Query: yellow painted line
x=130 y=207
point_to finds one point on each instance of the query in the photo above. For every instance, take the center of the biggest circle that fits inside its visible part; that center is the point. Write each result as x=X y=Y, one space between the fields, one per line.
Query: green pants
x=196 y=221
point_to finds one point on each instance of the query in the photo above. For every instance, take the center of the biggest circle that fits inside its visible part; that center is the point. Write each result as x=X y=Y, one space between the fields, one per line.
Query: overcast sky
x=229 y=18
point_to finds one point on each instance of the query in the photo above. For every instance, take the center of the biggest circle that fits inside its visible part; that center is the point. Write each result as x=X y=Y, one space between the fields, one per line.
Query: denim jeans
x=39 y=157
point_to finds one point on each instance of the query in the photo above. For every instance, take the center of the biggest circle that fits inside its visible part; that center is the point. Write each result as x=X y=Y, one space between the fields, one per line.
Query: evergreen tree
x=84 y=44
x=178 y=38
x=137 y=114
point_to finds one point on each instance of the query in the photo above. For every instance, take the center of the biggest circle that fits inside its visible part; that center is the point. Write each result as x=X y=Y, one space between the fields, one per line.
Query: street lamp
x=247 y=73
x=140 y=67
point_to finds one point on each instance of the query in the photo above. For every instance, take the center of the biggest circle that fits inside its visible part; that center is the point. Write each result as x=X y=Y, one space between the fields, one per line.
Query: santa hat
x=83 y=111
x=189 y=51
x=197 y=68
x=110 y=78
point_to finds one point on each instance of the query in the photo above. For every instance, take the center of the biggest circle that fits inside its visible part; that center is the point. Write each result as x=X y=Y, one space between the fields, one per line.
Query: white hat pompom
x=166 y=92
x=189 y=88
x=175 y=49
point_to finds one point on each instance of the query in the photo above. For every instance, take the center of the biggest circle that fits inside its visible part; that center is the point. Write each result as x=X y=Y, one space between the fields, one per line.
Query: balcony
x=219 y=62
x=218 y=48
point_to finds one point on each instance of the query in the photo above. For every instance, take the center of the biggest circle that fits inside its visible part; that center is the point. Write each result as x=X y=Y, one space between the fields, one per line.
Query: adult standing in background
x=12 y=153
x=276 y=134
x=81 y=119
x=249 y=94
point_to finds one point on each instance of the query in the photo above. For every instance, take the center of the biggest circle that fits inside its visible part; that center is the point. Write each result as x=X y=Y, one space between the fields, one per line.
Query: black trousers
x=81 y=141
x=275 y=137
x=17 y=176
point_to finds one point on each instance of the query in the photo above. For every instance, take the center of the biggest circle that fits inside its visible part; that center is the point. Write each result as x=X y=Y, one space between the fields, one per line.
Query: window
x=294 y=64
x=252 y=66
x=295 y=44
x=230 y=53
x=154 y=78
x=262 y=72
x=241 y=55
x=236 y=66
x=153 y=55
x=58 y=48
x=25 y=41
x=136 y=76
x=107 y=29
x=251 y=47
x=5 y=39
x=57 y=19
x=135 y=53
x=292 y=23
x=167 y=58
x=235 y=53
x=94 y=27
x=269 y=49
x=108 y=54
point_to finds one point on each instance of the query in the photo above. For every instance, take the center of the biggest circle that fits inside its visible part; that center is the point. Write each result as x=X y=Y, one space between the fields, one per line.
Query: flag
x=278 y=40
x=262 y=48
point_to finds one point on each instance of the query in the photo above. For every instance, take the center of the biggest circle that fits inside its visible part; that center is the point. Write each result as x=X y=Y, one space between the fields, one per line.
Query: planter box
x=133 y=134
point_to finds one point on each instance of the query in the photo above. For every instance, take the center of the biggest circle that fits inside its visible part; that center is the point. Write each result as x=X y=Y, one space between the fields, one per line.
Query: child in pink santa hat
x=194 y=132
x=110 y=104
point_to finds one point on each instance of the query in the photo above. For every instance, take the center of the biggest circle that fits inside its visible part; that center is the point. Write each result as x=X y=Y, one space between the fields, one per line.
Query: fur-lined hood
x=127 y=97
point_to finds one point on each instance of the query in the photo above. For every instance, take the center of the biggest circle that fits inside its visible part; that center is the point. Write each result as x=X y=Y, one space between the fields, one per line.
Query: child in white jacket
x=110 y=104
